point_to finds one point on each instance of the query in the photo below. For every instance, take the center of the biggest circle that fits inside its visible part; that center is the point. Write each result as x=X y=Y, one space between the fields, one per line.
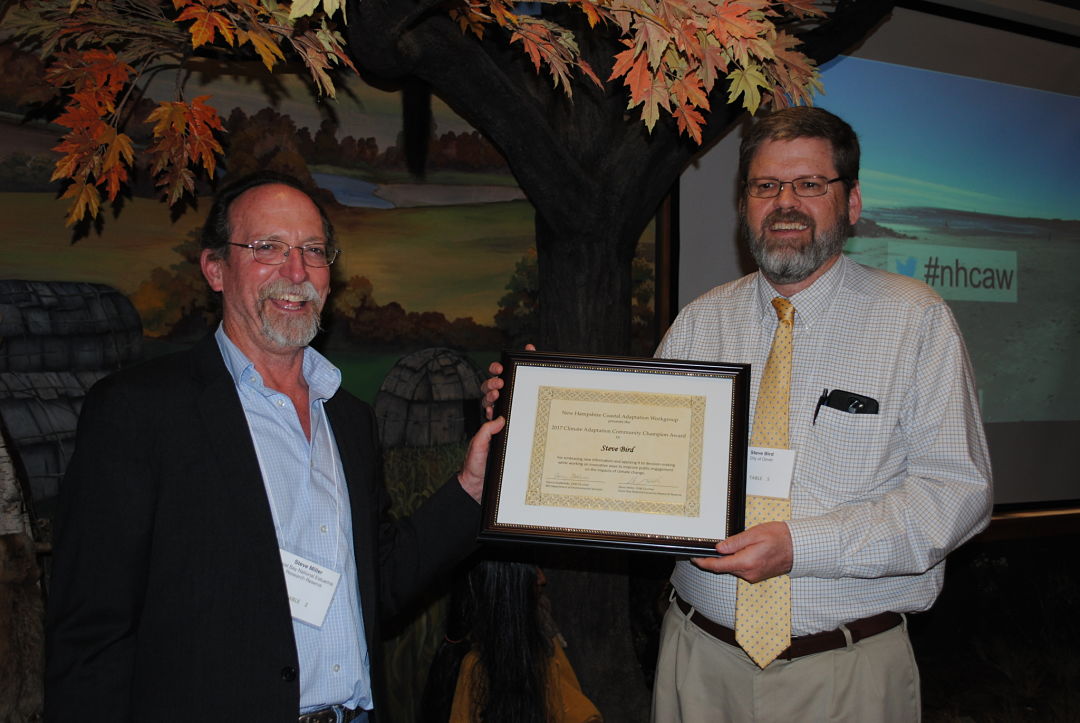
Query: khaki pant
x=700 y=679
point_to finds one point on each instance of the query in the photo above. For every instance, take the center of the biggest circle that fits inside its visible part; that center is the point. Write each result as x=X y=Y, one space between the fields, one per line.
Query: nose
x=294 y=269
x=787 y=197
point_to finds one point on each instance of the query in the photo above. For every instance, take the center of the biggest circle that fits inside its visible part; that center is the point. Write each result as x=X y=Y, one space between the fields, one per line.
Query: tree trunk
x=585 y=294
x=584 y=308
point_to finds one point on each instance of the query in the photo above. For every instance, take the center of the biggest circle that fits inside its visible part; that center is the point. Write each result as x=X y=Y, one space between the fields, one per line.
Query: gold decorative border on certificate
x=691 y=506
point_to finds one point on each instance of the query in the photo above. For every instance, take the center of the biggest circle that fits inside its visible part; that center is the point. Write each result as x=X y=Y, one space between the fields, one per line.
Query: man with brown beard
x=223 y=551
x=868 y=411
x=802 y=615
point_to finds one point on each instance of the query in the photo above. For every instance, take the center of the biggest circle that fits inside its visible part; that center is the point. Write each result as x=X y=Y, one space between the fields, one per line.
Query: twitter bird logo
x=906 y=266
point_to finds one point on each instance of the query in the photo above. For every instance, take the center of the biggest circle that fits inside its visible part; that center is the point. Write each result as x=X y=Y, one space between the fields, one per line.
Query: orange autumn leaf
x=264 y=45
x=648 y=90
x=689 y=121
x=689 y=91
x=86 y=201
x=183 y=136
x=117 y=156
x=624 y=61
x=96 y=51
x=205 y=24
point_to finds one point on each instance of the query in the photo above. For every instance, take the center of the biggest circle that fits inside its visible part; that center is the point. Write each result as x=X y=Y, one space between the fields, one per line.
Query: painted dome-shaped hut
x=428 y=398
x=56 y=339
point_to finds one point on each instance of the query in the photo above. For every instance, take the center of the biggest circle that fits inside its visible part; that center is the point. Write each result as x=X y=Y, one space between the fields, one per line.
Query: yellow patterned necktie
x=763 y=609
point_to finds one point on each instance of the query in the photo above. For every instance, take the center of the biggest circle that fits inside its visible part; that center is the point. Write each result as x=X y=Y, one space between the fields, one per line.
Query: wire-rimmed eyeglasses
x=274 y=253
x=805 y=186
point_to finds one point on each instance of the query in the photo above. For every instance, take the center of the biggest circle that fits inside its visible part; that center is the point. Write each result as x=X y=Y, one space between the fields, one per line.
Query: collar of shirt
x=323 y=378
x=811 y=303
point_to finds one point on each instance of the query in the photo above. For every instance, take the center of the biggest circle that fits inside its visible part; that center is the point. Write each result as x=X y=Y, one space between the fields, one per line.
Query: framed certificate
x=643 y=454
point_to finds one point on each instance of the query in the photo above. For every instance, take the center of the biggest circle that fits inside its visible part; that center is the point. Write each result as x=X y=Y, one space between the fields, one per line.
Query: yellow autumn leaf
x=300 y=8
x=264 y=45
x=87 y=202
x=747 y=82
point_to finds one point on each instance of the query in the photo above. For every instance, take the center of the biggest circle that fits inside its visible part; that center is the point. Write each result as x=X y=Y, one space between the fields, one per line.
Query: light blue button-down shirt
x=305 y=484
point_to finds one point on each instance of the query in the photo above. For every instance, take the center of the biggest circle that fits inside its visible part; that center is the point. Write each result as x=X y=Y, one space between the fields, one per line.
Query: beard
x=790 y=263
x=290 y=330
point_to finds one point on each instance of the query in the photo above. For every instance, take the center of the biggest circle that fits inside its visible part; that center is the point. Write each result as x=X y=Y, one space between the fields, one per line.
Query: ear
x=211 y=267
x=854 y=201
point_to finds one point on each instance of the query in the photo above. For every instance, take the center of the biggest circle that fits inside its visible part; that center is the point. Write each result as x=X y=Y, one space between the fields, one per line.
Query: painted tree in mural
x=675 y=52
x=597 y=106
x=100 y=53
x=594 y=178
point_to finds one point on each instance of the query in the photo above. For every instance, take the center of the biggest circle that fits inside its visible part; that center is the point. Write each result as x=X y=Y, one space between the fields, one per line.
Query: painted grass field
x=453 y=259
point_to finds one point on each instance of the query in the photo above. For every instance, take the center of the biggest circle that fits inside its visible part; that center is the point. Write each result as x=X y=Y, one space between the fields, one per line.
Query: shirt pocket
x=847 y=450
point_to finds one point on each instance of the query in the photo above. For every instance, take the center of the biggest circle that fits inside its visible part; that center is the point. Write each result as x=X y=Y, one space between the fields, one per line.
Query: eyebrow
x=277 y=237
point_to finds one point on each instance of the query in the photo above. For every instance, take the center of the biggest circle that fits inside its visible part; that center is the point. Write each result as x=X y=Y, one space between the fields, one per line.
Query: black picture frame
x=530 y=497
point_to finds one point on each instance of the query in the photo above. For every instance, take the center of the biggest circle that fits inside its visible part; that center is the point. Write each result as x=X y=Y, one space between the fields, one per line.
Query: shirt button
x=323 y=528
x=337 y=668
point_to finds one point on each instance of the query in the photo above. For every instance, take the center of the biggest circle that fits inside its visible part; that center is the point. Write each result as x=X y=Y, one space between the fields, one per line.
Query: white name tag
x=769 y=471
x=311 y=588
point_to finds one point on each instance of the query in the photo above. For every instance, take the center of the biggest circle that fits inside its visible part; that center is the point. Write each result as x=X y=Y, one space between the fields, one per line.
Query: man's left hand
x=471 y=475
x=757 y=554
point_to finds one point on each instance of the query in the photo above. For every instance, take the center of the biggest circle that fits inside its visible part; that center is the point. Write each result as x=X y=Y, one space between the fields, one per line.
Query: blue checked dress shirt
x=877 y=500
x=310 y=502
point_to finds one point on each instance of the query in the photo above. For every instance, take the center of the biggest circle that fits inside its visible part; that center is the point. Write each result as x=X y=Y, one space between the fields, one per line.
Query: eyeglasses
x=274 y=253
x=804 y=186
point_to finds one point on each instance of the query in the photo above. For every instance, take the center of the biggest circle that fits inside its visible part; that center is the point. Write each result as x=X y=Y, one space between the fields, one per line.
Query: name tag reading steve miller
x=311 y=587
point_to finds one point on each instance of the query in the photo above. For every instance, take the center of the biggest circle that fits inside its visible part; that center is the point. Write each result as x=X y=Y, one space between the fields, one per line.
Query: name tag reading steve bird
x=769 y=471
x=311 y=587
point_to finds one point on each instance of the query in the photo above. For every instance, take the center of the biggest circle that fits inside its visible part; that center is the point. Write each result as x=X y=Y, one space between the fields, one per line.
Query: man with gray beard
x=880 y=468
x=223 y=550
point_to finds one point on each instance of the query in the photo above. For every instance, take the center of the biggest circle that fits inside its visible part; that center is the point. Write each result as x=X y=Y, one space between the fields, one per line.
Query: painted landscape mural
x=443 y=260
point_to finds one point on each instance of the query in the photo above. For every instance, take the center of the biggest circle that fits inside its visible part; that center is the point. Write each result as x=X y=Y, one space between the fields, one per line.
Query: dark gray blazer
x=167 y=600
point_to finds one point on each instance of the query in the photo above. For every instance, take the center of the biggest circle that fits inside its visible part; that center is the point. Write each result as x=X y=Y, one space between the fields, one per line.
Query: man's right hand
x=489 y=390
x=756 y=554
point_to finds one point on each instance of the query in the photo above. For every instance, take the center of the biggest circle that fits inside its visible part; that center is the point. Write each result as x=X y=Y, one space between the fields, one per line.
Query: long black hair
x=496 y=611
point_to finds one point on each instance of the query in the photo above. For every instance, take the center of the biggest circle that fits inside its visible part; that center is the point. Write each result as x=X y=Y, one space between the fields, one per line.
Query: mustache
x=279 y=288
x=789 y=216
